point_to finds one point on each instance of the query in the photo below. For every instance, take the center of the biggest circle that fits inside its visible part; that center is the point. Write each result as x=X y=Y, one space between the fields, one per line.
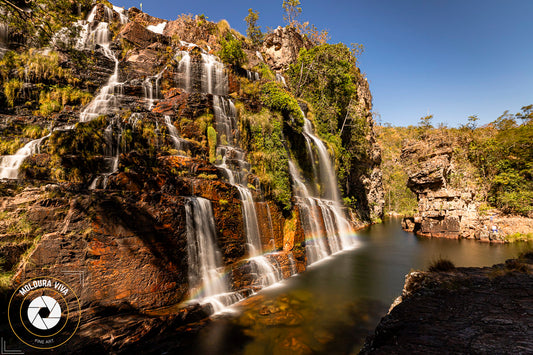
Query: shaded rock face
x=443 y=211
x=364 y=180
x=467 y=311
x=281 y=47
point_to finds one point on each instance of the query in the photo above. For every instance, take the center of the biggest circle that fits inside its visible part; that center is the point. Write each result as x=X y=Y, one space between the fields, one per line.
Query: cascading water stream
x=207 y=280
x=326 y=228
x=10 y=164
x=106 y=100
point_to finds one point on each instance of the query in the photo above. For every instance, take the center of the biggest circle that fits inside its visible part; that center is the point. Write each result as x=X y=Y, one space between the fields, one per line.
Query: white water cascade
x=99 y=36
x=207 y=280
x=326 y=229
x=179 y=143
x=236 y=170
x=10 y=164
x=201 y=73
x=4 y=39
x=111 y=157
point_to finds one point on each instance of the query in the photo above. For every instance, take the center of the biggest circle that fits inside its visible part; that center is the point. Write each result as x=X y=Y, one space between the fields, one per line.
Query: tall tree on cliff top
x=252 y=30
x=292 y=11
x=36 y=21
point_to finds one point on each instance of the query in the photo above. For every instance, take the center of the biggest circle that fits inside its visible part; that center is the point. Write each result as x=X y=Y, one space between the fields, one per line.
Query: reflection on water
x=333 y=306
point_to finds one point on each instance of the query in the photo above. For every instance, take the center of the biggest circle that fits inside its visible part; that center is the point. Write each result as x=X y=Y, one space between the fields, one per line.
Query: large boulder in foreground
x=463 y=311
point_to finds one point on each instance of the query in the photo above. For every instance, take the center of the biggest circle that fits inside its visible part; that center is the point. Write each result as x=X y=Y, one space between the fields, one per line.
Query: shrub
x=12 y=89
x=231 y=52
x=277 y=98
x=441 y=265
x=212 y=141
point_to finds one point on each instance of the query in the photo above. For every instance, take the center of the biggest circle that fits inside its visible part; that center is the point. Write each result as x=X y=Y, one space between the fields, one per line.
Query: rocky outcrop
x=464 y=311
x=364 y=180
x=281 y=47
x=443 y=210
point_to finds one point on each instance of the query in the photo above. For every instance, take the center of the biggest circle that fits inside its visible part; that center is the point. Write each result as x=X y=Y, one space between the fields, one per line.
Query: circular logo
x=44 y=313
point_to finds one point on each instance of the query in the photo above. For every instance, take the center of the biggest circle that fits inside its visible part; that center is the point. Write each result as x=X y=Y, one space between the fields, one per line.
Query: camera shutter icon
x=44 y=312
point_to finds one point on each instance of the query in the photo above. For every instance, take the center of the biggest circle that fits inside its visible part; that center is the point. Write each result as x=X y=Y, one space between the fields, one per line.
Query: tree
x=292 y=11
x=36 y=21
x=231 y=52
x=425 y=122
x=252 y=30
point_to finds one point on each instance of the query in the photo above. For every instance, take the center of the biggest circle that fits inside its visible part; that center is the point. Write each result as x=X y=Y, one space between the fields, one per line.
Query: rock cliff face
x=464 y=311
x=281 y=47
x=443 y=211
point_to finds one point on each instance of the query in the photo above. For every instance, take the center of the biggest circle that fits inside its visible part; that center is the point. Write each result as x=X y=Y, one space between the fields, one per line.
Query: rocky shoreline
x=461 y=311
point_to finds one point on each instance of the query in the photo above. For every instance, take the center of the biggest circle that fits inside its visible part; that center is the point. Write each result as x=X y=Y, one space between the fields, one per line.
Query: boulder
x=281 y=47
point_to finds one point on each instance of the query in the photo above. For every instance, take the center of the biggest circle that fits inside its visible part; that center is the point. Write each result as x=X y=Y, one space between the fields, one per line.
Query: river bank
x=485 y=310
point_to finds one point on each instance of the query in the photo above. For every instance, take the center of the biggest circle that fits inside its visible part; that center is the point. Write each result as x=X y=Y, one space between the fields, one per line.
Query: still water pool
x=336 y=303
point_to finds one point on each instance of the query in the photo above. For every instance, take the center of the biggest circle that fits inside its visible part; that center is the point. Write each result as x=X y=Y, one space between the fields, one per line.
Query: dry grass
x=441 y=265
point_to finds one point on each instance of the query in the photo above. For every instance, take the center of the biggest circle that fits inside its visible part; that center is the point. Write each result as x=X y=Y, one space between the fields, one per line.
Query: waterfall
x=4 y=39
x=174 y=135
x=327 y=172
x=10 y=164
x=111 y=157
x=252 y=75
x=151 y=89
x=209 y=73
x=207 y=280
x=123 y=18
x=326 y=229
x=225 y=113
x=280 y=78
x=106 y=100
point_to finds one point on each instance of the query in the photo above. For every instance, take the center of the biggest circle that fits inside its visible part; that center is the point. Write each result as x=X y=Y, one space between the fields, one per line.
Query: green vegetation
x=212 y=142
x=496 y=160
x=253 y=31
x=398 y=197
x=263 y=136
x=326 y=76
x=54 y=86
x=59 y=97
x=275 y=97
x=12 y=88
x=231 y=52
x=38 y=20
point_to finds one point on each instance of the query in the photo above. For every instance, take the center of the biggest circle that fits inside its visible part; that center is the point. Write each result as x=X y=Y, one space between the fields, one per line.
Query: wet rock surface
x=464 y=311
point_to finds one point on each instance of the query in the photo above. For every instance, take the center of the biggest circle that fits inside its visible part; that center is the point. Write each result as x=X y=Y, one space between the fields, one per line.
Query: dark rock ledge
x=466 y=311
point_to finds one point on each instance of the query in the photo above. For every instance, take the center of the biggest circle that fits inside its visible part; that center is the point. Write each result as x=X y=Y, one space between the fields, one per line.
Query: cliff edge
x=461 y=311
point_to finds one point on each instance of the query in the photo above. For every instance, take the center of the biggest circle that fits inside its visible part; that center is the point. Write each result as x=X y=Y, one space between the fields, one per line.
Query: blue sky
x=449 y=58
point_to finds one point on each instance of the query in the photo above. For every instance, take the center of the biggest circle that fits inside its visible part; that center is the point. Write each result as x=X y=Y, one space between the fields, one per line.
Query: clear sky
x=449 y=58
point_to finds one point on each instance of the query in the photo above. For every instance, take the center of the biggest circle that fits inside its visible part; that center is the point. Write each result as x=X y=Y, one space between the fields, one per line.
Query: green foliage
x=263 y=137
x=59 y=97
x=398 y=197
x=326 y=77
x=10 y=146
x=39 y=20
x=12 y=88
x=34 y=131
x=231 y=51
x=275 y=97
x=253 y=31
x=212 y=142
